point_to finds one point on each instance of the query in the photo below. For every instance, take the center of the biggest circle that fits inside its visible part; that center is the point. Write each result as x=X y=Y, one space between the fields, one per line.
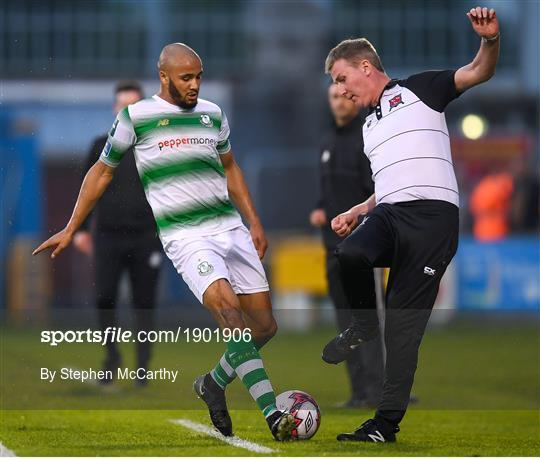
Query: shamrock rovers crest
x=205 y=268
x=206 y=120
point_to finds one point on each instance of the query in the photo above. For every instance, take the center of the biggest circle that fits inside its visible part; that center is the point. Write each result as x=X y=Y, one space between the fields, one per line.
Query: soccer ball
x=304 y=408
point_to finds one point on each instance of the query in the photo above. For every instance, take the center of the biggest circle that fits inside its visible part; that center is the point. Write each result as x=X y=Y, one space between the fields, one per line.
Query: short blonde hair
x=353 y=50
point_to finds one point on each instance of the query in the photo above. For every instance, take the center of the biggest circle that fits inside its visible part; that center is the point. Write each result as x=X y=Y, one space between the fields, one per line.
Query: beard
x=178 y=99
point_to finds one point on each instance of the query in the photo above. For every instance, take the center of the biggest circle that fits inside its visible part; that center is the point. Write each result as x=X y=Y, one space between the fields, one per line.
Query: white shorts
x=229 y=255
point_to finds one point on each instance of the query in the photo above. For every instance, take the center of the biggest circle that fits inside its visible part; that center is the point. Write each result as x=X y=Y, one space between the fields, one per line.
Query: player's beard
x=178 y=99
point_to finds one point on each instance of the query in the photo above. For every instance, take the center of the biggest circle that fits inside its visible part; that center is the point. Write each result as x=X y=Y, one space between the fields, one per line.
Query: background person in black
x=124 y=240
x=411 y=222
x=345 y=177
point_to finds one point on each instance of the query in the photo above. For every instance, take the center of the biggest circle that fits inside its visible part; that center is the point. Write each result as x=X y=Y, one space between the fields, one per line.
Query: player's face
x=184 y=82
x=353 y=82
x=125 y=98
x=341 y=107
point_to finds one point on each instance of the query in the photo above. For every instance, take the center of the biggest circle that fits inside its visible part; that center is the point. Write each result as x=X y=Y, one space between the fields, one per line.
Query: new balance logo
x=377 y=436
x=429 y=271
x=354 y=346
x=366 y=218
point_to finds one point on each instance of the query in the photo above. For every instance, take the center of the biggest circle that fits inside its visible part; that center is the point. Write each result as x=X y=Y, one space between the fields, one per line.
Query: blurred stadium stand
x=263 y=63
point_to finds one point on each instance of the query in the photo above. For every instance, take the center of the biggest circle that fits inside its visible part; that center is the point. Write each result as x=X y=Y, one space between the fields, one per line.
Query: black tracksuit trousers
x=417 y=240
x=141 y=255
x=365 y=366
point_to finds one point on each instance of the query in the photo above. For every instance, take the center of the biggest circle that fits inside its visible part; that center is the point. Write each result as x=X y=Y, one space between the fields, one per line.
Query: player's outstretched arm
x=94 y=184
x=239 y=193
x=482 y=68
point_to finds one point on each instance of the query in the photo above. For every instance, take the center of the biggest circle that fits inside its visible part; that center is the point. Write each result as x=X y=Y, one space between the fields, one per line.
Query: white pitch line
x=233 y=441
x=4 y=452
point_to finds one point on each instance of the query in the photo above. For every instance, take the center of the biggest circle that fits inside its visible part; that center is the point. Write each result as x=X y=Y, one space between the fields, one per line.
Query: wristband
x=491 y=39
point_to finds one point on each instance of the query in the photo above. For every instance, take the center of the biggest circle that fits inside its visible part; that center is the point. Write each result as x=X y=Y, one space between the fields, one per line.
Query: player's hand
x=259 y=239
x=317 y=218
x=83 y=242
x=484 y=21
x=344 y=223
x=58 y=242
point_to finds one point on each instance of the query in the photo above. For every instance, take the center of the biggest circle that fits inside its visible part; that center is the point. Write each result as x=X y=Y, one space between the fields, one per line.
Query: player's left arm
x=482 y=68
x=239 y=193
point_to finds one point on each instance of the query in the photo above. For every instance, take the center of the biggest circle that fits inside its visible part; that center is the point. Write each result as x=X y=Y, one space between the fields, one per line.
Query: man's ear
x=366 y=67
x=163 y=76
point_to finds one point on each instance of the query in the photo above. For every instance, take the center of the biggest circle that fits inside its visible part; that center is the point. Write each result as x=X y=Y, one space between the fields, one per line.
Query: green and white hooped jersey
x=177 y=153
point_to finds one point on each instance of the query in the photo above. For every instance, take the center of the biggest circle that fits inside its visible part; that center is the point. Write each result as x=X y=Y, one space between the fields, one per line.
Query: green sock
x=243 y=357
x=223 y=373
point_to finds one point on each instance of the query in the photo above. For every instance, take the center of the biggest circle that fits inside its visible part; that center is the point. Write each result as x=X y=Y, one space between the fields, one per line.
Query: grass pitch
x=478 y=388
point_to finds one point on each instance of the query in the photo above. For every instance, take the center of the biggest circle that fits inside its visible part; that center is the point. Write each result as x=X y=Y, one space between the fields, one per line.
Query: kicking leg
x=258 y=317
x=370 y=245
x=427 y=240
x=244 y=359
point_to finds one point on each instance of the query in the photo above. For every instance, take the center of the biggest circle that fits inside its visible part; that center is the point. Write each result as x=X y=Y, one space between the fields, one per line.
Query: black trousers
x=417 y=240
x=365 y=367
x=140 y=254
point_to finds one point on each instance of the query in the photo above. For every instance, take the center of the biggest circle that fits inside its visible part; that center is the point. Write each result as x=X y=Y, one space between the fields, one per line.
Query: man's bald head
x=180 y=72
x=176 y=54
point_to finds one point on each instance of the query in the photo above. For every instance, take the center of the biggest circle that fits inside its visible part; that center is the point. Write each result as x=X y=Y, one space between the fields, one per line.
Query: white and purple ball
x=304 y=408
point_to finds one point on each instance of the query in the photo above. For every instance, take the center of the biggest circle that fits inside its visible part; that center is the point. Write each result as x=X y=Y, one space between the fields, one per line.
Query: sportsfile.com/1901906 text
x=120 y=335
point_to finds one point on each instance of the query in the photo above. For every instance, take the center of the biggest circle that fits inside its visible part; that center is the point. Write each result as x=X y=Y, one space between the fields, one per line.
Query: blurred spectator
x=345 y=176
x=490 y=207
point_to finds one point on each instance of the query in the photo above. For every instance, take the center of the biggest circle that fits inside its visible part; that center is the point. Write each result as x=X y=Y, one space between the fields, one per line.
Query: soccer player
x=345 y=178
x=186 y=166
x=410 y=223
x=125 y=239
